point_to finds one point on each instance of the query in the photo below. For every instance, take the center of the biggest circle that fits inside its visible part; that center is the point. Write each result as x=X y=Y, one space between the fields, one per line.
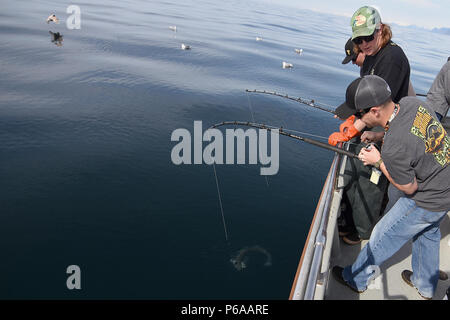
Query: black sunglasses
x=360 y=113
x=359 y=40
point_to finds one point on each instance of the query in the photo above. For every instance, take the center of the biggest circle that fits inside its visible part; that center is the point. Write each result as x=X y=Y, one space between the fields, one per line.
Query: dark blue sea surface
x=86 y=176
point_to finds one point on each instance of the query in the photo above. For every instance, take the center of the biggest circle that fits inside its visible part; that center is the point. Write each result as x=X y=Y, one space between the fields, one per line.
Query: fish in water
x=56 y=38
x=53 y=18
x=239 y=261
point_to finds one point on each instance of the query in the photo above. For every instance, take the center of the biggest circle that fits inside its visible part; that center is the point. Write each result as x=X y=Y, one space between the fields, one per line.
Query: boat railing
x=313 y=267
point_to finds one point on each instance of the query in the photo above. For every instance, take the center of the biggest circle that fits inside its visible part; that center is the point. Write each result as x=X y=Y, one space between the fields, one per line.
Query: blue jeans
x=403 y=222
x=393 y=194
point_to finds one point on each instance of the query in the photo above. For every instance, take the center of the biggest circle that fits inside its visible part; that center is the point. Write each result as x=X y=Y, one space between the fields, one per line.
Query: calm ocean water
x=86 y=176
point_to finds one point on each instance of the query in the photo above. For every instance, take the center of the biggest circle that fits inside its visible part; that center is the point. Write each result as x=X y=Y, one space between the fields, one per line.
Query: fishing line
x=253 y=119
x=220 y=203
x=250 y=107
x=238 y=259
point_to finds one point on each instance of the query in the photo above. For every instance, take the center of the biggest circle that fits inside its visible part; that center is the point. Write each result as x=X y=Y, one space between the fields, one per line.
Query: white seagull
x=53 y=18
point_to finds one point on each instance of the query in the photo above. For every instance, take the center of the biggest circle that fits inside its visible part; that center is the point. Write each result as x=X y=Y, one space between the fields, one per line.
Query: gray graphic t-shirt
x=416 y=145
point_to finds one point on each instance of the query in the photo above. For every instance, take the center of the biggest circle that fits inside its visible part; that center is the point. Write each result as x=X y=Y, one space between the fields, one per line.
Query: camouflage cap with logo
x=364 y=21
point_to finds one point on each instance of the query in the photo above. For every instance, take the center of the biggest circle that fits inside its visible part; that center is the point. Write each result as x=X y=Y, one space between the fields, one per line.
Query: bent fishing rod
x=310 y=103
x=290 y=135
x=307 y=102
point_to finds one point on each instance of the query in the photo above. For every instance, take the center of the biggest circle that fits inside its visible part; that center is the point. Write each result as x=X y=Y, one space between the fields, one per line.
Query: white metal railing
x=321 y=236
x=307 y=274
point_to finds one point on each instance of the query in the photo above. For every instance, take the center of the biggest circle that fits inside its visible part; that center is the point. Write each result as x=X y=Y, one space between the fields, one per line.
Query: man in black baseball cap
x=365 y=198
x=350 y=55
x=415 y=158
x=362 y=94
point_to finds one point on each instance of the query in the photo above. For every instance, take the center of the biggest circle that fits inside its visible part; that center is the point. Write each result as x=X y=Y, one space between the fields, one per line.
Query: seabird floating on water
x=185 y=47
x=287 y=65
x=173 y=28
x=56 y=38
x=52 y=18
x=299 y=51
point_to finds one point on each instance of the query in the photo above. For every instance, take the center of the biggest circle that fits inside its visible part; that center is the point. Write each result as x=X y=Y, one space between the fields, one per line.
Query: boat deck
x=390 y=284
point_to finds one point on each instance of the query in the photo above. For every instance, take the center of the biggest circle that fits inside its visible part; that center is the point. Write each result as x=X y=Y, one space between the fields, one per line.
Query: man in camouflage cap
x=364 y=22
x=387 y=60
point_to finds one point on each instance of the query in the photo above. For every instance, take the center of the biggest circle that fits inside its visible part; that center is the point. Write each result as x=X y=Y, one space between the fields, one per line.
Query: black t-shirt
x=391 y=64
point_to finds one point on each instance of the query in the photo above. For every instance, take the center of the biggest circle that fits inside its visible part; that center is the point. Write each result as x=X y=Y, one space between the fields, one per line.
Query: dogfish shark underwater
x=240 y=260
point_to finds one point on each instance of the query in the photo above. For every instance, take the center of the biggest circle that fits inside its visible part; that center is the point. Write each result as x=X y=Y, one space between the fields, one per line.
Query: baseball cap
x=349 y=54
x=364 y=21
x=364 y=93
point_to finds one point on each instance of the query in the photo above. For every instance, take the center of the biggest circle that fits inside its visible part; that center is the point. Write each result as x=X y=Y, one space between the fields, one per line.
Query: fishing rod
x=281 y=131
x=310 y=103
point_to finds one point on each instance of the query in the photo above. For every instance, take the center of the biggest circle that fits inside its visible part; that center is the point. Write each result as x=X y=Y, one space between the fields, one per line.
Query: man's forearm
x=409 y=188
